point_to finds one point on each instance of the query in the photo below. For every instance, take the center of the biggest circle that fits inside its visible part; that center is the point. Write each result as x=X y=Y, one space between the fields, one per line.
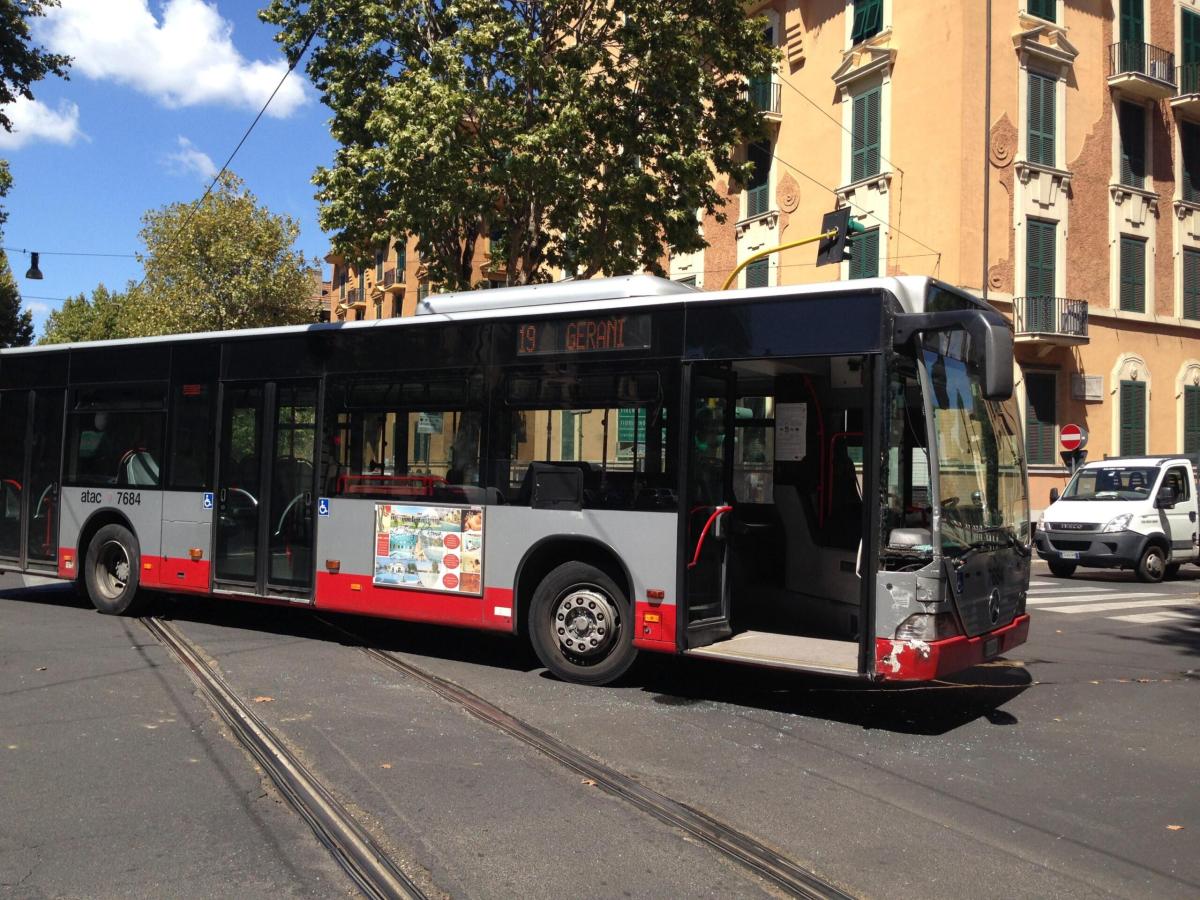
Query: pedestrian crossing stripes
x=1141 y=607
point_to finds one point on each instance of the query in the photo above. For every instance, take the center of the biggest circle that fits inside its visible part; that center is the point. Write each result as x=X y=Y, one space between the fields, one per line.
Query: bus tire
x=581 y=625
x=111 y=569
x=1060 y=569
x=1152 y=566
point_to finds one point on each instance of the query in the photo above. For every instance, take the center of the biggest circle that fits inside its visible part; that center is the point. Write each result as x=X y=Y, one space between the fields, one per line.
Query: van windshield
x=1112 y=483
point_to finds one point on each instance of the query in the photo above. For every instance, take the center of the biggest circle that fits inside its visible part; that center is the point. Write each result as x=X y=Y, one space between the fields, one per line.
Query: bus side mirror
x=1053 y=494
x=991 y=342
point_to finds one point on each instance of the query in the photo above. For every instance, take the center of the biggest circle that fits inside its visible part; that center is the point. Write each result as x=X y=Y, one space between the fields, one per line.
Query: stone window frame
x=1188 y=376
x=1129 y=367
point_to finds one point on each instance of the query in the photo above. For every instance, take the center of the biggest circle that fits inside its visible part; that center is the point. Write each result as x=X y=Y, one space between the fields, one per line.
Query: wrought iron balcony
x=1050 y=321
x=766 y=95
x=1141 y=70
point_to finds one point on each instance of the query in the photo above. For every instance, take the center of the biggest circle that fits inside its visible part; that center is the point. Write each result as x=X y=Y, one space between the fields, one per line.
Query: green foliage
x=583 y=135
x=21 y=64
x=107 y=315
x=16 y=327
x=227 y=263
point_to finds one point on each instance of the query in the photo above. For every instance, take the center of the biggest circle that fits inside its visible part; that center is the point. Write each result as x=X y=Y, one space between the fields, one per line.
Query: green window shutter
x=1189 y=45
x=1191 y=419
x=868 y=19
x=401 y=259
x=864 y=254
x=864 y=136
x=1131 y=121
x=758 y=197
x=1133 y=27
x=1041 y=124
x=1133 y=274
x=380 y=256
x=1043 y=9
x=1041 y=418
x=567 y=438
x=757 y=274
x=1133 y=418
x=1040 y=257
x=1189 y=146
x=1191 y=283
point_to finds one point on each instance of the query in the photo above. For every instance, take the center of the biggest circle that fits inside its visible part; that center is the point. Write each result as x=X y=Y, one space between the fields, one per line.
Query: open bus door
x=708 y=499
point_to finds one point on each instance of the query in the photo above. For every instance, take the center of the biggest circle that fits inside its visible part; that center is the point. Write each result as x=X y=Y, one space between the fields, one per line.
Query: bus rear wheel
x=581 y=625
x=110 y=571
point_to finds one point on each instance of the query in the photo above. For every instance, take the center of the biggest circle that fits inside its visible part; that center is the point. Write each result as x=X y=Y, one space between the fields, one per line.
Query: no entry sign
x=1072 y=437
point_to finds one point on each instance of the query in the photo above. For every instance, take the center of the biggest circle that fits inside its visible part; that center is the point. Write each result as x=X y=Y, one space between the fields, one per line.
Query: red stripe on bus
x=651 y=634
x=337 y=593
x=923 y=661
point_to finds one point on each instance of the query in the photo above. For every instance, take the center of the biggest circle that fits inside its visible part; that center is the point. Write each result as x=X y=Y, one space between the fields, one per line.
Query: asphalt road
x=1067 y=769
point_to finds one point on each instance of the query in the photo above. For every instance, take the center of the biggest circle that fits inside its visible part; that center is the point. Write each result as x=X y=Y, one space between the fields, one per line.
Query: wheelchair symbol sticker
x=323 y=506
x=208 y=500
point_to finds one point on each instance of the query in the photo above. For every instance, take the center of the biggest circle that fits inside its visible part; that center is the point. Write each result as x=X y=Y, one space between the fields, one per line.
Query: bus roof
x=593 y=295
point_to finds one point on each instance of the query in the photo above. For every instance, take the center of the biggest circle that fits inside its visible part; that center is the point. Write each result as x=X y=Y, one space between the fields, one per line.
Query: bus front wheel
x=111 y=569
x=581 y=625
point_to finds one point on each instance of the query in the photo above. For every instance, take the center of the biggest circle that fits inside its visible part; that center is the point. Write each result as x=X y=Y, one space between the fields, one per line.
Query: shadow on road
x=927 y=709
x=1183 y=633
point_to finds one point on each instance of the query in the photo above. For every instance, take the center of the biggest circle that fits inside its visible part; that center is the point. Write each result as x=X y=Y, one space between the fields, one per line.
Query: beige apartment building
x=1065 y=189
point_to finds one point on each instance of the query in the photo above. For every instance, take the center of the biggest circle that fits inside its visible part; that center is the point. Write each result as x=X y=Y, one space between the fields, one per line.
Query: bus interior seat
x=138 y=469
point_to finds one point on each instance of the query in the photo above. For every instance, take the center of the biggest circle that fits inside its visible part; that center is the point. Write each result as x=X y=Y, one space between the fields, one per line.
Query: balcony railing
x=1051 y=316
x=1135 y=58
x=351 y=296
x=389 y=277
x=766 y=96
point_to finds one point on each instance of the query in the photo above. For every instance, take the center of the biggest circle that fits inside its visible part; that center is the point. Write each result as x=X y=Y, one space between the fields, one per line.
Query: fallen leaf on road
x=1057 y=719
x=1093 y=682
x=385 y=765
x=41 y=668
x=1058 y=631
x=263 y=699
x=1174 y=828
x=589 y=782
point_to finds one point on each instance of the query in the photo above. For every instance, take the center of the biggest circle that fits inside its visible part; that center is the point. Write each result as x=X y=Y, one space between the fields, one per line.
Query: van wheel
x=1061 y=569
x=1173 y=570
x=581 y=625
x=1152 y=566
x=111 y=570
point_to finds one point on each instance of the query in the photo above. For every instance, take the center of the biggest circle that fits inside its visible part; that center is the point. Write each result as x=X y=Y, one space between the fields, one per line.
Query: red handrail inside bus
x=716 y=514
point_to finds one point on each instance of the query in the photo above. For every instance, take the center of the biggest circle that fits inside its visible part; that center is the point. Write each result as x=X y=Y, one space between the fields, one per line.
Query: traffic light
x=836 y=249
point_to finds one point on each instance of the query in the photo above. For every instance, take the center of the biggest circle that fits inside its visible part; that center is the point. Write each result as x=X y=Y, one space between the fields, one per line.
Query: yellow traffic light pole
x=831 y=234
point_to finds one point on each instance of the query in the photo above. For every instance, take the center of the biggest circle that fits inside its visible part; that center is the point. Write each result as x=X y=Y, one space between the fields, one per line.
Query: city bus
x=827 y=478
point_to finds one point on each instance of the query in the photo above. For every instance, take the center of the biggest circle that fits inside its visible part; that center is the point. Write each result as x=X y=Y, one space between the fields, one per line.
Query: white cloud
x=185 y=59
x=39 y=309
x=33 y=120
x=190 y=159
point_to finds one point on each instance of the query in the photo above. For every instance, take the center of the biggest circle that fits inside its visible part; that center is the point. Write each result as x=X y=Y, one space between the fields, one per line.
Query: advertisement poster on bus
x=429 y=548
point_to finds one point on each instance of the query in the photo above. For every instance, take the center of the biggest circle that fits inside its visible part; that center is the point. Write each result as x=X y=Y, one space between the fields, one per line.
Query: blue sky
x=160 y=93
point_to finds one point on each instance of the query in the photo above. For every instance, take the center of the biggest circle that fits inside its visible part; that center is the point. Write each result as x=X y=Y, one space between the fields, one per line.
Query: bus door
x=708 y=492
x=30 y=456
x=266 y=478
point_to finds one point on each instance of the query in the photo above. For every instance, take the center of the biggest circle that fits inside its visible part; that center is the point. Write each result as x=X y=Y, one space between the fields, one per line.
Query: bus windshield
x=980 y=475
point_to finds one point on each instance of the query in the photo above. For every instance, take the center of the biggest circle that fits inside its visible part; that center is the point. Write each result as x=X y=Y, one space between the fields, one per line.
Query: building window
x=758 y=274
x=864 y=254
x=1040 y=258
x=1043 y=9
x=1191 y=283
x=868 y=19
x=1041 y=417
x=1133 y=27
x=380 y=256
x=1189 y=147
x=379 y=308
x=401 y=258
x=1133 y=274
x=1131 y=122
x=758 y=193
x=1041 y=130
x=1191 y=419
x=341 y=276
x=1133 y=418
x=1189 y=44
x=422 y=291
x=689 y=280
x=864 y=135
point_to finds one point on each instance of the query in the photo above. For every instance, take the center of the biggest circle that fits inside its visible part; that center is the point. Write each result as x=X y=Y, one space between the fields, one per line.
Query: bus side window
x=115 y=435
x=191 y=463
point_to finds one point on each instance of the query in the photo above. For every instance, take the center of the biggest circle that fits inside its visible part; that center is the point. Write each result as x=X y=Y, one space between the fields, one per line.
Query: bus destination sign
x=593 y=335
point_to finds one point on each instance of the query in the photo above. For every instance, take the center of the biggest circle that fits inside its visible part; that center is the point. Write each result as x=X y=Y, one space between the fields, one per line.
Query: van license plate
x=1069 y=554
x=991 y=647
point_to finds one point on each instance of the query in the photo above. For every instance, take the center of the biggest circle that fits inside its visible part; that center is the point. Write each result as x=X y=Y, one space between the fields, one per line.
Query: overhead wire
x=70 y=253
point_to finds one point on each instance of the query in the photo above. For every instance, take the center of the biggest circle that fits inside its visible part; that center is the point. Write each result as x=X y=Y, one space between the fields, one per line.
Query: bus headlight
x=1118 y=523
x=927 y=627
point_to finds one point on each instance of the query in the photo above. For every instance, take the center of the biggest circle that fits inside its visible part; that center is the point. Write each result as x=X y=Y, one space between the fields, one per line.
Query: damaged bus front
x=955 y=530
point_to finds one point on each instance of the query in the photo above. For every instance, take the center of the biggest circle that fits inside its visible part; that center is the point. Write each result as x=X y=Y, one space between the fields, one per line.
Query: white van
x=1131 y=513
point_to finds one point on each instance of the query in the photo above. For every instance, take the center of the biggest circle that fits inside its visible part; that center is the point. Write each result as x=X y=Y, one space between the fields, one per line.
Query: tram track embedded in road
x=355 y=851
x=736 y=845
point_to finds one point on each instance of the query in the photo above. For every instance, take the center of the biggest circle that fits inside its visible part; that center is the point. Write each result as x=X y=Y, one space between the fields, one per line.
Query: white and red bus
x=827 y=478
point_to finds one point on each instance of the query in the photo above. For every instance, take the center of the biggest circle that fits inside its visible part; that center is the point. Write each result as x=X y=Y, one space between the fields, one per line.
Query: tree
x=16 y=327
x=226 y=263
x=21 y=63
x=109 y=314
x=580 y=135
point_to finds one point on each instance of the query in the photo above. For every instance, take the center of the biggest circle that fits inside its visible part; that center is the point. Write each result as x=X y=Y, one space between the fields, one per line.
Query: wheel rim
x=1154 y=564
x=112 y=569
x=585 y=622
